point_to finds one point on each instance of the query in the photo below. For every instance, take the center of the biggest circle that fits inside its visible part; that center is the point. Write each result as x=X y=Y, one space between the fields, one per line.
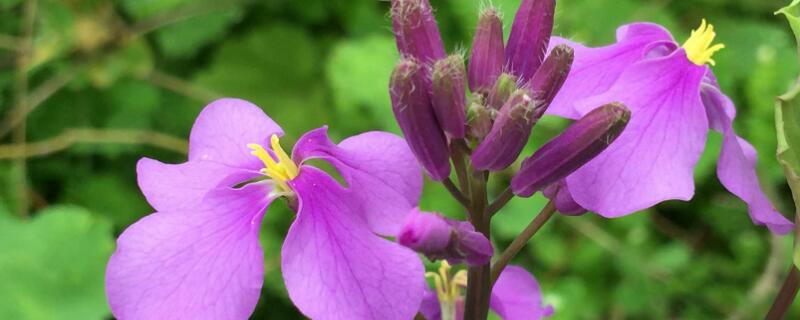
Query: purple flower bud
x=577 y=145
x=415 y=30
x=530 y=34
x=480 y=117
x=523 y=109
x=509 y=133
x=448 y=95
x=560 y=195
x=414 y=113
x=438 y=237
x=503 y=87
x=488 y=54
x=425 y=232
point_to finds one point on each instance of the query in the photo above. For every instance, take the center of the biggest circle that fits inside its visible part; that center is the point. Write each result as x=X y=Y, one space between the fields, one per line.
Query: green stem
x=522 y=239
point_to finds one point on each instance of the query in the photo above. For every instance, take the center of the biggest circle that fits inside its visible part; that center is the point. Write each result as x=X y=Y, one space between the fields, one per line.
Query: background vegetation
x=87 y=87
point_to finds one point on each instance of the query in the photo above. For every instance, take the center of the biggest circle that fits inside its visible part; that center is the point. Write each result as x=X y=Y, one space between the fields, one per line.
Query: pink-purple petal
x=430 y=307
x=516 y=296
x=736 y=167
x=654 y=158
x=380 y=171
x=560 y=195
x=333 y=265
x=204 y=265
x=178 y=187
x=225 y=127
x=595 y=70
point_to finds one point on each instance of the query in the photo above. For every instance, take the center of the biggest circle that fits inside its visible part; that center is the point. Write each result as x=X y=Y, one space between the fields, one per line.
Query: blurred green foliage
x=134 y=67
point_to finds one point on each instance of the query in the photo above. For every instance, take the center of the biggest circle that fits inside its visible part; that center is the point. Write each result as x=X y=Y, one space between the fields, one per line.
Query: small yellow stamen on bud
x=699 y=48
x=280 y=171
x=448 y=289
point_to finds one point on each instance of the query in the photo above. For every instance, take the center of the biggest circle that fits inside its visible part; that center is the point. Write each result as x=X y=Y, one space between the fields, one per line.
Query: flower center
x=280 y=171
x=699 y=48
x=448 y=289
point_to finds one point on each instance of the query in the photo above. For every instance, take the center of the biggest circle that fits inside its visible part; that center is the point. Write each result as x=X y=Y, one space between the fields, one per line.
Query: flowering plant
x=642 y=109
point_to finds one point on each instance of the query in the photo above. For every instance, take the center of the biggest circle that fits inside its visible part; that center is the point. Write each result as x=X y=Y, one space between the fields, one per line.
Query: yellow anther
x=448 y=289
x=280 y=171
x=699 y=47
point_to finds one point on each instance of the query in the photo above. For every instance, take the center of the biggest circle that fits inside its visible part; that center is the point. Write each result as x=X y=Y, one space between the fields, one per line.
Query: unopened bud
x=511 y=130
x=414 y=113
x=488 y=53
x=509 y=133
x=530 y=34
x=577 y=145
x=562 y=198
x=415 y=30
x=503 y=87
x=448 y=95
x=551 y=75
x=480 y=117
x=438 y=237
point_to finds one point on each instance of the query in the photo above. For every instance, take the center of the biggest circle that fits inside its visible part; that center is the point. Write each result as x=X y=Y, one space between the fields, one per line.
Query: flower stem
x=501 y=201
x=478 y=285
x=458 y=150
x=448 y=184
x=785 y=297
x=522 y=239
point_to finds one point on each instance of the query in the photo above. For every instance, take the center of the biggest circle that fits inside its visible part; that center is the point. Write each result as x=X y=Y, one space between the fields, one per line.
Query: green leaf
x=787 y=122
x=203 y=23
x=183 y=39
x=792 y=14
x=358 y=73
x=131 y=104
x=53 y=266
x=276 y=68
x=110 y=196
x=134 y=59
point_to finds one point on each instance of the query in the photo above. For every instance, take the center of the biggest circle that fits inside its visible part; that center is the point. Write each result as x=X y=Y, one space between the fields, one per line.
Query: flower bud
x=488 y=53
x=480 y=117
x=503 y=87
x=438 y=237
x=414 y=113
x=415 y=30
x=530 y=34
x=577 y=145
x=448 y=95
x=560 y=195
x=511 y=130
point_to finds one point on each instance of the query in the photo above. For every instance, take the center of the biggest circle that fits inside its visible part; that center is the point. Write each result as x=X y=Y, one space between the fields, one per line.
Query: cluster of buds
x=510 y=87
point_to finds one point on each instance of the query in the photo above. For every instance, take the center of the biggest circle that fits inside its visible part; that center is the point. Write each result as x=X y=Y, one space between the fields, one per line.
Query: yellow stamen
x=448 y=289
x=699 y=46
x=280 y=171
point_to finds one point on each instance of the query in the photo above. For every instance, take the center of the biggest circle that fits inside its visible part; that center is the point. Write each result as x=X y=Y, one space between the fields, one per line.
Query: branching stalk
x=521 y=240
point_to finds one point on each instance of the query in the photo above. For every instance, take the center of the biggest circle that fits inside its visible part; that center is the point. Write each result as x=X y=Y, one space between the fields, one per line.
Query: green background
x=137 y=72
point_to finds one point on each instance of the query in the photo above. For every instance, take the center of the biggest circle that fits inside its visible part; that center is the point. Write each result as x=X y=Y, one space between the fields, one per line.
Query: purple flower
x=515 y=296
x=674 y=101
x=199 y=256
x=438 y=237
